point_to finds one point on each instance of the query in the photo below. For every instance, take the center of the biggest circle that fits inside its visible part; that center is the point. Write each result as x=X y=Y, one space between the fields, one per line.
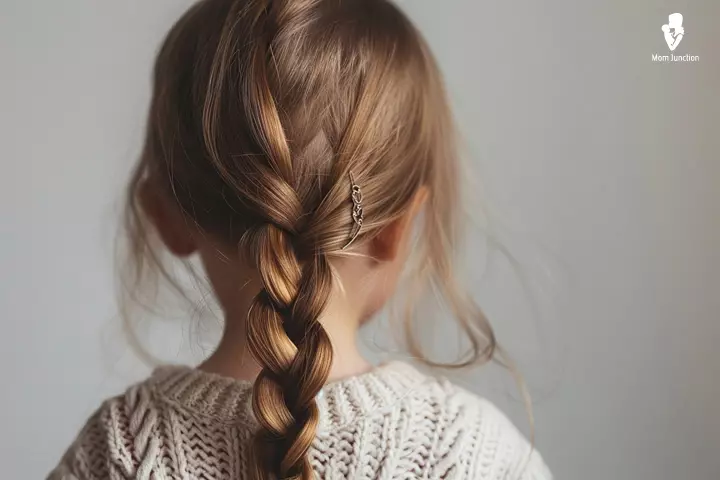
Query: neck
x=232 y=357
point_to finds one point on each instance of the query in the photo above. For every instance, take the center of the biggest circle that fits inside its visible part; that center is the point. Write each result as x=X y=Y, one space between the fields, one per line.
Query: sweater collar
x=340 y=402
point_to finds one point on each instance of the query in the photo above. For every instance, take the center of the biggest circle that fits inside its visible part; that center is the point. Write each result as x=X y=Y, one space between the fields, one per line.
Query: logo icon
x=674 y=30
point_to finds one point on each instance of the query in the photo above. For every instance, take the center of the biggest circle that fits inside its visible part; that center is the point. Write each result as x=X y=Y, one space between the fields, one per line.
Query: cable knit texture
x=391 y=423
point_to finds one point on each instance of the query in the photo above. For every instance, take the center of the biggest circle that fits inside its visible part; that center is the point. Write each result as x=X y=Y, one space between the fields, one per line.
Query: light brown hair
x=260 y=110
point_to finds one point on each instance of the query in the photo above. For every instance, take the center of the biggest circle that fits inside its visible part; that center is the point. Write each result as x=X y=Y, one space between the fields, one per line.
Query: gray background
x=601 y=163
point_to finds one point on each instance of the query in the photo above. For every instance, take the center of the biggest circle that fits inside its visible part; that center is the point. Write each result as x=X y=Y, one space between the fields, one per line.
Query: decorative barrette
x=357 y=210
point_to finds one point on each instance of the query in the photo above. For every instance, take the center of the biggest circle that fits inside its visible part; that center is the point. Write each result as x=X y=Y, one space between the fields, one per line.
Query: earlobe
x=172 y=227
x=389 y=242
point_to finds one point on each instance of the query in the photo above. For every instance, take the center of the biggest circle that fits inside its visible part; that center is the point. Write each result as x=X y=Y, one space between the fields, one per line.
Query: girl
x=291 y=144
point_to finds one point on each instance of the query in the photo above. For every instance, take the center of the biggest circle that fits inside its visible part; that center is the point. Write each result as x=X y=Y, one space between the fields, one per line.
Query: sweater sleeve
x=534 y=469
x=118 y=441
x=515 y=458
x=497 y=449
x=86 y=458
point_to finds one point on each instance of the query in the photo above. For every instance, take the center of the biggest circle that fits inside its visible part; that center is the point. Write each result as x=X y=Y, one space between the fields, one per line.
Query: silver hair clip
x=357 y=211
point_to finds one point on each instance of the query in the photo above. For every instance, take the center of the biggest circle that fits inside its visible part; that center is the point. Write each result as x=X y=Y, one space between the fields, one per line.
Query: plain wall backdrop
x=604 y=161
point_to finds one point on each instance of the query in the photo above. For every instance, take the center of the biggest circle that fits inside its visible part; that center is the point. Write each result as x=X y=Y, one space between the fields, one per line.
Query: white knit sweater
x=391 y=423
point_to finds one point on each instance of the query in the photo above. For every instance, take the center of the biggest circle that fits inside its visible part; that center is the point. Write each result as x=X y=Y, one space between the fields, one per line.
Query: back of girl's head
x=261 y=110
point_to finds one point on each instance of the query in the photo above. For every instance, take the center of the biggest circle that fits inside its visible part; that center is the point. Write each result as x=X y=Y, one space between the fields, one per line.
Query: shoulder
x=484 y=435
x=115 y=439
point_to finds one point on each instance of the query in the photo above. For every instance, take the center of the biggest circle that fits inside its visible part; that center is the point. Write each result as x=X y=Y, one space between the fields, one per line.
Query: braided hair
x=260 y=111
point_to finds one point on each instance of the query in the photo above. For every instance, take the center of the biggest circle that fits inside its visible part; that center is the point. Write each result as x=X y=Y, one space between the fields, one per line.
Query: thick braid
x=283 y=331
x=286 y=338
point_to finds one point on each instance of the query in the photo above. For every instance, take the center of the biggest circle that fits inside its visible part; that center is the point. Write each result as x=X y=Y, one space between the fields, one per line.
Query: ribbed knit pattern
x=391 y=423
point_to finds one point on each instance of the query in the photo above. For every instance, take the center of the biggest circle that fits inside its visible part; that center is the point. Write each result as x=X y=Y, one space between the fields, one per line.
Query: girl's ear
x=171 y=225
x=393 y=237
